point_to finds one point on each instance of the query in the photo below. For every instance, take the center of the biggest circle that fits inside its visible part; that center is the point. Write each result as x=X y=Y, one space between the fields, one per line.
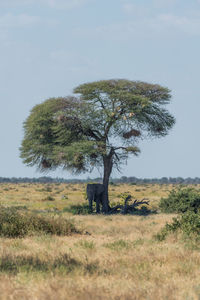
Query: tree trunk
x=108 y=164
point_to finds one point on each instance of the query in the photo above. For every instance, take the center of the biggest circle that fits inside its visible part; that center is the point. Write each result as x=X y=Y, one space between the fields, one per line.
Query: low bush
x=181 y=200
x=14 y=223
x=63 y=265
x=187 y=224
x=49 y=198
x=80 y=209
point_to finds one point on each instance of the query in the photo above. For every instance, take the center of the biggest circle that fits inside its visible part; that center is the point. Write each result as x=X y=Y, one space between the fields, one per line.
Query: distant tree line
x=123 y=179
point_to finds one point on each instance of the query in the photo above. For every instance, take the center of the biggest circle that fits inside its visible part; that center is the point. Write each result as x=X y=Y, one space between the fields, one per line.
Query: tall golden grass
x=116 y=257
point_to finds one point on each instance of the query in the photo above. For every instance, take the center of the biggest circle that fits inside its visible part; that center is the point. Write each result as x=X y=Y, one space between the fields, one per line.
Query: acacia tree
x=99 y=127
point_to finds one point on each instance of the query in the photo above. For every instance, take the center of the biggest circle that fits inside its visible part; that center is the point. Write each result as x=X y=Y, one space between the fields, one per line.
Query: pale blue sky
x=47 y=47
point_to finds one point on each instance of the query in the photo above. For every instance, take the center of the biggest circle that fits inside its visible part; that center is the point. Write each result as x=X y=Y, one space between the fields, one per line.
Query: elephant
x=95 y=193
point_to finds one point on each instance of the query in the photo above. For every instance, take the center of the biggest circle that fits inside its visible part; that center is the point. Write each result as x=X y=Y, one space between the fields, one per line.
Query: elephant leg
x=90 y=199
x=97 y=204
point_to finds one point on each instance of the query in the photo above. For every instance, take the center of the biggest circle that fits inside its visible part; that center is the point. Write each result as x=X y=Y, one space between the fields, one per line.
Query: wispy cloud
x=133 y=5
x=158 y=26
x=133 y=8
x=165 y=3
x=187 y=24
x=65 y=4
x=15 y=2
x=57 y=4
x=164 y=17
x=9 y=20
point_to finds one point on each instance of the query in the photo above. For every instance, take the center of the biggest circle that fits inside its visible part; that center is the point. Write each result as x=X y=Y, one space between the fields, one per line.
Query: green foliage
x=113 y=183
x=14 y=223
x=130 y=105
x=78 y=133
x=187 y=224
x=49 y=198
x=80 y=209
x=53 y=135
x=181 y=200
x=15 y=264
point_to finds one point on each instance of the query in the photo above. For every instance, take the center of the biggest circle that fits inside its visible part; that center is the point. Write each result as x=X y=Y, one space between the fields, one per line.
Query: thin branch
x=94 y=135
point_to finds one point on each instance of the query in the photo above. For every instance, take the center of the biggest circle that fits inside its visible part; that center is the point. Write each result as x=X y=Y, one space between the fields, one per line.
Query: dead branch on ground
x=128 y=208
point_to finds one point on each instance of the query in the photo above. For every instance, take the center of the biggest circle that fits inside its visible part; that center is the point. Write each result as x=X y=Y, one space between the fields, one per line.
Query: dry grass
x=119 y=259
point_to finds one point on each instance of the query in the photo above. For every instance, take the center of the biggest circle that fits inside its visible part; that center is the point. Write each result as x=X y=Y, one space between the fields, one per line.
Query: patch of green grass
x=63 y=264
x=86 y=244
x=79 y=209
x=138 y=242
x=118 y=245
x=18 y=245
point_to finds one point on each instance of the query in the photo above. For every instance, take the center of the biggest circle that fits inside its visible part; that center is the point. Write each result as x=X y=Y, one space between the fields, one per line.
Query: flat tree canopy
x=100 y=127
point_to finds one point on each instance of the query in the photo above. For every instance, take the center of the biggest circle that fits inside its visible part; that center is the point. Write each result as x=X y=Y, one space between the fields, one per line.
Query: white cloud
x=163 y=17
x=139 y=9
x=186 y=24
x=161 y=25
x=133 y=8
x=65 y=4
x=10 y=20
x=15 y=2
x=133 y=5
x=57 y=4
x=165 y=3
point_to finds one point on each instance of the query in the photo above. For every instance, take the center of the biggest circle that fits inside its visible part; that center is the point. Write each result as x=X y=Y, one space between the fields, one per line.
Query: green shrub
x=80 y=209
x=49 y=198
x=181 y=200
x=187 y=224
x=18 y=224
x=113 y=183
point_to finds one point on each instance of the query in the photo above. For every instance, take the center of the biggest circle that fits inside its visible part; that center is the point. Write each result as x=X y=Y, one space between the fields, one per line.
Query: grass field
x=112 y=257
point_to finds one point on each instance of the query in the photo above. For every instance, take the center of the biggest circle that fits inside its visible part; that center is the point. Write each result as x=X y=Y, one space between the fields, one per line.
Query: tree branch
x=124 y=209
x=92 y=133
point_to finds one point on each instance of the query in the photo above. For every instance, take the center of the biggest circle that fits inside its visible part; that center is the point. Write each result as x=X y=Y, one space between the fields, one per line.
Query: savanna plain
x=106 y=257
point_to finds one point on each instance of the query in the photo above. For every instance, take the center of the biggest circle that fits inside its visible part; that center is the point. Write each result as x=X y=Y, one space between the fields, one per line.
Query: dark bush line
x=64 y=264
x=186 y=202
x=83 y=209
x=187 y=224
x=15 y=223
x=123 y=179
x=181 y=200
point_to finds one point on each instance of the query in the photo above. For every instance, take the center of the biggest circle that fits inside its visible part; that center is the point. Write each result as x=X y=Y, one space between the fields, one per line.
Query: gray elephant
x=95 y=193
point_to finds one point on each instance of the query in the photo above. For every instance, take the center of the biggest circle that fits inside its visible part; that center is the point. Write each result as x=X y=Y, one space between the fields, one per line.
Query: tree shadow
x=83 y=209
